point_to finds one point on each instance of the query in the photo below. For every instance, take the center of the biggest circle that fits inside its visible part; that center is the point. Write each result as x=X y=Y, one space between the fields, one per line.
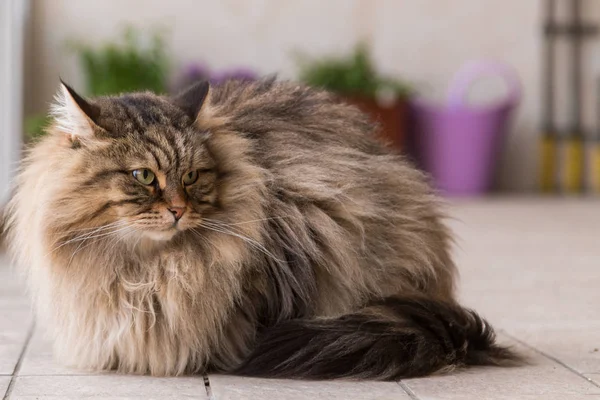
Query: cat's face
x=136 y=167
x=157 y=182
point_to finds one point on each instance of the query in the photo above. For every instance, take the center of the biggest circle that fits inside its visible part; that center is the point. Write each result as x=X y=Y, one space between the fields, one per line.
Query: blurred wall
x=424 y=41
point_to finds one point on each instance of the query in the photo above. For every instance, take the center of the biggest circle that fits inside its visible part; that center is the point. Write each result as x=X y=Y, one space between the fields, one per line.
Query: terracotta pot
x=392 y=119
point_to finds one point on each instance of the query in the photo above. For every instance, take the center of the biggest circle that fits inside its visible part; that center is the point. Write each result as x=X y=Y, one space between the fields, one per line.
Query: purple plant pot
x=237 y=74
x=196 y=72
x=458 y=144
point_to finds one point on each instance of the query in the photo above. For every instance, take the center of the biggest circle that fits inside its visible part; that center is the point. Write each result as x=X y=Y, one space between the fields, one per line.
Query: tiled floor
x=531 y=266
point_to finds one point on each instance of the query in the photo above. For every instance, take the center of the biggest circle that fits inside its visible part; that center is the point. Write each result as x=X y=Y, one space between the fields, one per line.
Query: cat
x=253 y=228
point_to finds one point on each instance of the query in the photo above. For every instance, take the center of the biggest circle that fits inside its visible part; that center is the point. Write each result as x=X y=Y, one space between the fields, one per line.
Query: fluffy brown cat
x=254 y=228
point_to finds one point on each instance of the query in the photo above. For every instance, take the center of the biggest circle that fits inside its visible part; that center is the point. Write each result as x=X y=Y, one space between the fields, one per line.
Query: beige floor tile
x=12 y=293
x=532 y=270
x=9 y=354
x=576 y=346
x=544 y=379
x=14 y=325
x=39 y=359
x=107 y=387
x=486 y=395
x=4 y=381
x=15 y=317
x=236 y=388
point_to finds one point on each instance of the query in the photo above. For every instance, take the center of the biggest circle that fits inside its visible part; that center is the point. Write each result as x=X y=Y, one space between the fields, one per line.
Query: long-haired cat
x=255 y=228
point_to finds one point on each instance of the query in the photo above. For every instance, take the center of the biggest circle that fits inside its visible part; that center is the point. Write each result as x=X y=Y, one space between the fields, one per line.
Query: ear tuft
x=72 y=113
x=192 y=98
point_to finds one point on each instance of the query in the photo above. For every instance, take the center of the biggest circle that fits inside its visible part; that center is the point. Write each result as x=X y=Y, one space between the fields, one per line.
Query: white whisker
x=253 y=243
x=243 y=222
x=89 y=235
x=108 y=235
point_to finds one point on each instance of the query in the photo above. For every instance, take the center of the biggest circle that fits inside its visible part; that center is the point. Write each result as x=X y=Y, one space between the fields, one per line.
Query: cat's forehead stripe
x=144 y=111
x=158 y=128
x=161 y=147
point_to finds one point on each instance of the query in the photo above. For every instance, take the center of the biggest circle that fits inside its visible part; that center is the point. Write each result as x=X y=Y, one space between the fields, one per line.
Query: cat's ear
x=192 y=99
x=74 y=115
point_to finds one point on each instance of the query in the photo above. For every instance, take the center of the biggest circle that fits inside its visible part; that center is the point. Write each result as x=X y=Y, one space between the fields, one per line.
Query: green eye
x=144 y=176
x=190 y=177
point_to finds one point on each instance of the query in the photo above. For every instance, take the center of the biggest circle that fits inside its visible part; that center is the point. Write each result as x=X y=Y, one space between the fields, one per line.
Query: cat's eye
x=144 y=176
x=190 y=178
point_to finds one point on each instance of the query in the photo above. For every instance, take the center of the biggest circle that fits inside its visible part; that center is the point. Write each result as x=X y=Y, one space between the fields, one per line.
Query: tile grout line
x=556 y=360
x=408 y=390
x=207 y=388
x=15 y=373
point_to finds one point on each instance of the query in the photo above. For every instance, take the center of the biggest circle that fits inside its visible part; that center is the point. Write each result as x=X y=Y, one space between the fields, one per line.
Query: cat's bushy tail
x=395 y=338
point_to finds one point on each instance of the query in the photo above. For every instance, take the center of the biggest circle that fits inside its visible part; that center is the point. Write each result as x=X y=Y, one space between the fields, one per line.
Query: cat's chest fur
x=160 y=313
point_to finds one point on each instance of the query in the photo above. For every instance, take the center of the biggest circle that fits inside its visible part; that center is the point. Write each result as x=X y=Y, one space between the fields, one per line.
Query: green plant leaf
x=124 y=65
x=353 y=75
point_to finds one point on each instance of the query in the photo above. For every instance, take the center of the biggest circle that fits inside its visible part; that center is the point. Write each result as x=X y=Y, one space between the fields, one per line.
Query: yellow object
x=547 y=164
x=574 y=153
x=595 y=164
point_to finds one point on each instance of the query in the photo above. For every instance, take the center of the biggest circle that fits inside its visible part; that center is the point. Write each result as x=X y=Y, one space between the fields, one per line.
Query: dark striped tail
x=398 y=337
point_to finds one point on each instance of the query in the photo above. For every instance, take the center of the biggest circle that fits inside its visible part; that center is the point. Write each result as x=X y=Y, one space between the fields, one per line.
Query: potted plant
x=120 y=66
x=126 y=65
x=355 y=78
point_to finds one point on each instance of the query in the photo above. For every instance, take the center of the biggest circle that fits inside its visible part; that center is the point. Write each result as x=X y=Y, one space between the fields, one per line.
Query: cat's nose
x=177 y=212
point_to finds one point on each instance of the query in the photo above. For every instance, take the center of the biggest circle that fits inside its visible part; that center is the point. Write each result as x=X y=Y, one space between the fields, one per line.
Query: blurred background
x=487 y=96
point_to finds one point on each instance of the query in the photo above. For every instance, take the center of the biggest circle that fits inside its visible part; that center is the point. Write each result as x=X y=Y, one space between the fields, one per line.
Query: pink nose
x=177 y=212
